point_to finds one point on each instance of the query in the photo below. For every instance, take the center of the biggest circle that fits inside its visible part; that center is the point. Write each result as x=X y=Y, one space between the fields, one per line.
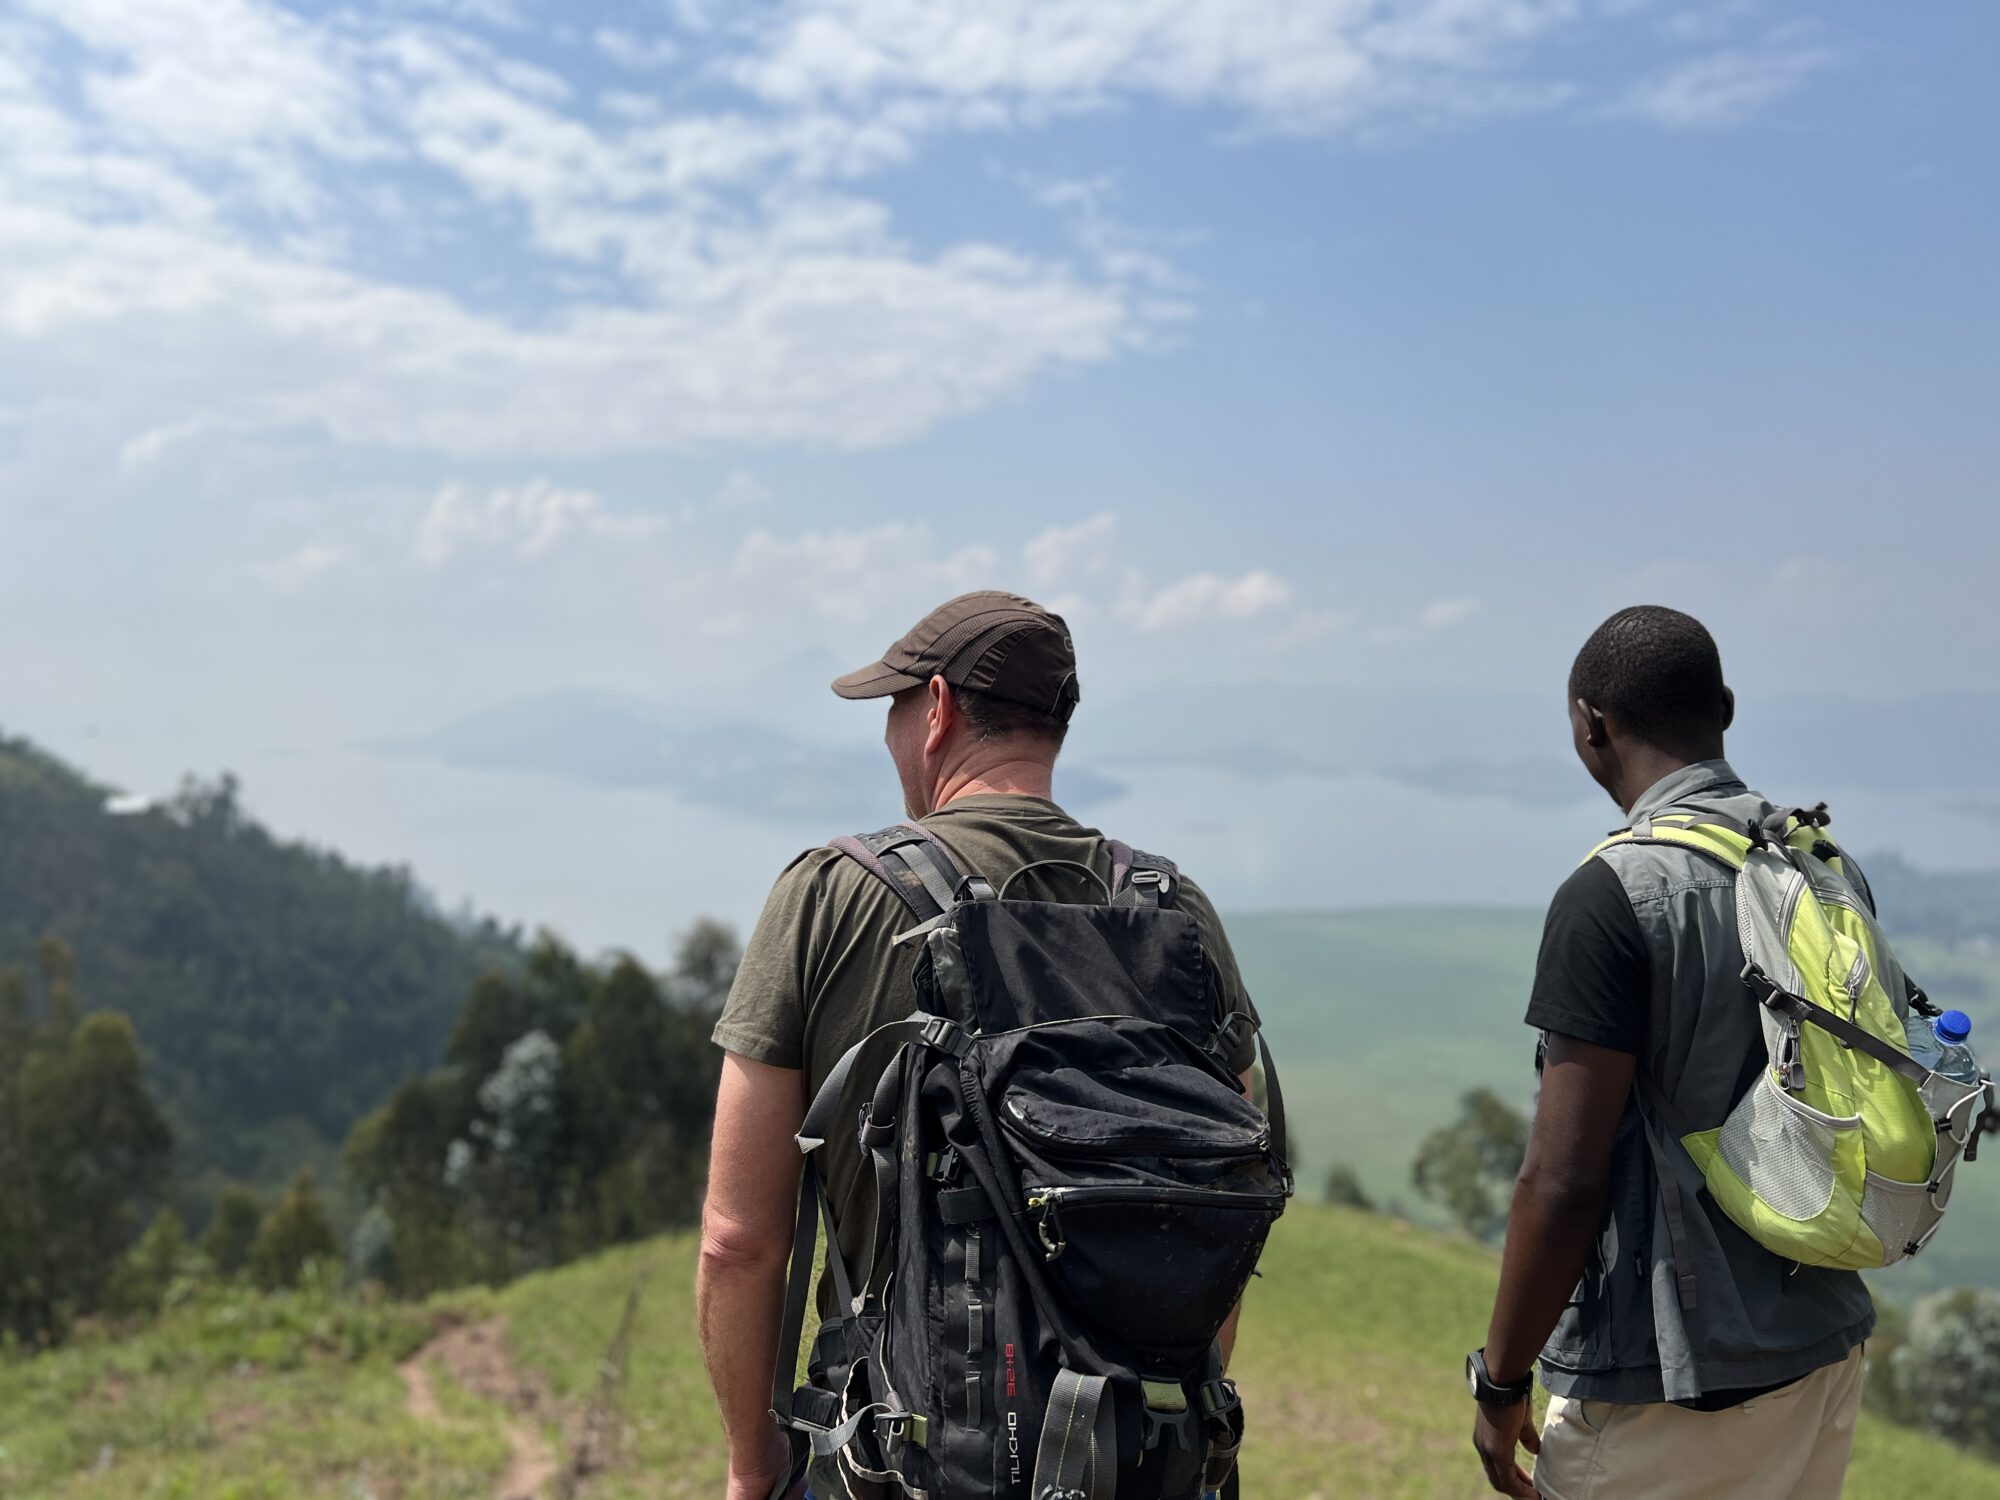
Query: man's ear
x=943 y=715
x=1728 y=708
x=1595 y=734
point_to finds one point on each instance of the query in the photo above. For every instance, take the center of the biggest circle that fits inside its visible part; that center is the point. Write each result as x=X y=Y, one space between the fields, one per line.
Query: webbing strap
x=1077 y=1459
x=813 y=1212
x=1843 y=1030
x=1673 y=1196
x=875 y=1050
x=922 y=857
x=1274 y=1101
x=882 y=1154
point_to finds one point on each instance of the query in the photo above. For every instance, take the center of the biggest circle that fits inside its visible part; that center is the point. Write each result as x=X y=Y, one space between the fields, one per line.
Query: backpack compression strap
x=909 y=859
x=1078 y=1429
x=1139 y=879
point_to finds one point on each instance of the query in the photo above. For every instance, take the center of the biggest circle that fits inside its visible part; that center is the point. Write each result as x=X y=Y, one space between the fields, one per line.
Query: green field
x=1381 y=1019
x=1349 y=1363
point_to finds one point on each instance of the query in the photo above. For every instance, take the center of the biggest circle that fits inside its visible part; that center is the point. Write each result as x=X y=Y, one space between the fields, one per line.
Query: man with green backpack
x=1730 y=1125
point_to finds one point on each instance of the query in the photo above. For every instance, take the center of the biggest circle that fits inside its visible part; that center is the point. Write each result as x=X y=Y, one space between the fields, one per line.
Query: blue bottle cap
x=1953 y=1027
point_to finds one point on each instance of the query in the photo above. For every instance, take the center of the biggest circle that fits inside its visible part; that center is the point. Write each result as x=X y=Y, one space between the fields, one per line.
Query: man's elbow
x=1561 y=1191
x=729 y=1246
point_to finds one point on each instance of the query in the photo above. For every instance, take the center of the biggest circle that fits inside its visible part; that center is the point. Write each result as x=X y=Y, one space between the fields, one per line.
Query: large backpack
x=1071 y=1193
x=1843 y=1152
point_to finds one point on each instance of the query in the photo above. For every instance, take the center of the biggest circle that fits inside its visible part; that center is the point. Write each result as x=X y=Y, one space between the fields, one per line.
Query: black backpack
x=1071 y=1193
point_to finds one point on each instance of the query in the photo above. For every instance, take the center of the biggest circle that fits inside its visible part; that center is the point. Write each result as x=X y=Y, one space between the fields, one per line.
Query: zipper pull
x=1048 y=1225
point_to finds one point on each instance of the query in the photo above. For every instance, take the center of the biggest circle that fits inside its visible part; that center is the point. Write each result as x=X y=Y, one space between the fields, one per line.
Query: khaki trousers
x=1790 y=1445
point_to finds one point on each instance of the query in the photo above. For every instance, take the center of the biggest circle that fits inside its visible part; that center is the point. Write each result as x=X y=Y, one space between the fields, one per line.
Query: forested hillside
x=278 y=992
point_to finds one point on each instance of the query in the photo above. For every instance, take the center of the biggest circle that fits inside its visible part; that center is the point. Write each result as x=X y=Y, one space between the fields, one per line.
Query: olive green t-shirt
x=820 y=973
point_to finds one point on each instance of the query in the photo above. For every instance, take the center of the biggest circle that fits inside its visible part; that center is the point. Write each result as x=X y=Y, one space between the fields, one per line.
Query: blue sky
x=485 y=425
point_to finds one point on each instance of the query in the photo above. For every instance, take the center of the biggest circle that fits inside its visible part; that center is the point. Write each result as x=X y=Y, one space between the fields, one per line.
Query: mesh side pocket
x=1899 y=1213
x=1782 y=1150
x=1956 y=1103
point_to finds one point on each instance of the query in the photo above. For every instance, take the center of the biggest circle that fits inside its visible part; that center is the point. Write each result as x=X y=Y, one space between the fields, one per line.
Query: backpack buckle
x=1167 y=1415
x=1235 y=1028
x=945 y=1035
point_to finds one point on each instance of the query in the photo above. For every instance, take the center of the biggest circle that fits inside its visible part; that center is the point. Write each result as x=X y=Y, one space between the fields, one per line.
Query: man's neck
x=1014 y=778
x=1646 y=766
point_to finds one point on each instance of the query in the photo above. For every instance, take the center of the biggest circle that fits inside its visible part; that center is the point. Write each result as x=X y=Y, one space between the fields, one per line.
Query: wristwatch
x=1488 y=1392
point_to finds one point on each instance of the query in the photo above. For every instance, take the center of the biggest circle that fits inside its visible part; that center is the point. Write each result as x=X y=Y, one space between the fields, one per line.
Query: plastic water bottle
x=1939 y=1044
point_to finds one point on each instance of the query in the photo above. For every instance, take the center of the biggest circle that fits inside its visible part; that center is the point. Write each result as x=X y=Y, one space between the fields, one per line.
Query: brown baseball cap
x=990 y=642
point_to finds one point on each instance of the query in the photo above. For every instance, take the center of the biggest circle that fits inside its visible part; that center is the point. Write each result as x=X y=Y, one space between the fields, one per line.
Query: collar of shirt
x=1703 y=778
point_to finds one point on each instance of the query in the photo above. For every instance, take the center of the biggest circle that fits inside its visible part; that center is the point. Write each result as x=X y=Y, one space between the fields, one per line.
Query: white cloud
x=796 y=316
x=1065 y=556
x=297 y=569
x=525 y=521
x=1444 y=613
x=1726 y=88
x=234 y=79
x=1203 y=598
x=1287 y=65
x=838 y=574
x=217 y=185
x=740 y=491
x=630 y=50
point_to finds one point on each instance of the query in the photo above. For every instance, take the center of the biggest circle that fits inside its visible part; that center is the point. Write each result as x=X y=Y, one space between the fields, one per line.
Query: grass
x=1349 y=1363
x=237 y=1396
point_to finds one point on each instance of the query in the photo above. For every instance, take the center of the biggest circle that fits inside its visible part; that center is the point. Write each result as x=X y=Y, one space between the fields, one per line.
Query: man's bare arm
x=1558 y=1206
x=746 y=1238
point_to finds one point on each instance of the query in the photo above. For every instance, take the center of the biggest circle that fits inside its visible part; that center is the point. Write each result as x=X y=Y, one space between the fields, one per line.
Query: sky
x=485 y=426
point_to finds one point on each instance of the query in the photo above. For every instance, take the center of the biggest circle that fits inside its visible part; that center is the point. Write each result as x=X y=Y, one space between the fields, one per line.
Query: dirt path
x=475 y=1355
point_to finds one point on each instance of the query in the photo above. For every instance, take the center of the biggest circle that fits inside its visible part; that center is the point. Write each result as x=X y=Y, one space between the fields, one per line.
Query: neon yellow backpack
x=1842 y=1154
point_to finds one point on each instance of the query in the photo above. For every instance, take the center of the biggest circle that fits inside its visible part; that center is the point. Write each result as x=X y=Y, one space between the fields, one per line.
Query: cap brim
x=878 y=680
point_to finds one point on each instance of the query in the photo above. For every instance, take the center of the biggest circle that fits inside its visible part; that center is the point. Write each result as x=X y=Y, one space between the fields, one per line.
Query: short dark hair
x=993 y=717
x=1657 y=672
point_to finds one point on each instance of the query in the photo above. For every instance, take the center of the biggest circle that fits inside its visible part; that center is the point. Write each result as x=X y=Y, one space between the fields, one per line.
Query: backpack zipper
x=1147 y=1143
x=1046 y=1204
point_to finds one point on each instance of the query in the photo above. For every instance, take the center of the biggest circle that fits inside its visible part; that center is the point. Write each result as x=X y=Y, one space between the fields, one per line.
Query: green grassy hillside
x=1349 y=1363
x=1381 y=1019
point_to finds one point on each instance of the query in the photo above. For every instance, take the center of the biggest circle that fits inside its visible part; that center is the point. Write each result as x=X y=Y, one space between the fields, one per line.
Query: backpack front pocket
x=1158 y=1267
x=1790 y=1175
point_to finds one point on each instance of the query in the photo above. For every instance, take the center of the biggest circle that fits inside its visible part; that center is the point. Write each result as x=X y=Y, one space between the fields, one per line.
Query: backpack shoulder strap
x=910 y=860
x=1699 y=832
x=1141 y=879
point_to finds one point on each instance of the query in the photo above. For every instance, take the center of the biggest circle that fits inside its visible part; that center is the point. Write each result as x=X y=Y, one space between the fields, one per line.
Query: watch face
x=1472 y=1373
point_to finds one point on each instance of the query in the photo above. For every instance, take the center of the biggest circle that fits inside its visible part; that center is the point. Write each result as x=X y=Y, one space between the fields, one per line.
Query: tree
x=574 y=1114
x=98 y=1147
x=293 y=1235
x=142 y=1281
x=1468 y=1167
x=1344 y=1187
x=705 y=962
x=1946 y=1372
x=233 y=1229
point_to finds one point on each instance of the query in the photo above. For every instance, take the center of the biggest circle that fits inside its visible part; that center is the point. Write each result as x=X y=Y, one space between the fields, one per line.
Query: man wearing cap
x=981 y=692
